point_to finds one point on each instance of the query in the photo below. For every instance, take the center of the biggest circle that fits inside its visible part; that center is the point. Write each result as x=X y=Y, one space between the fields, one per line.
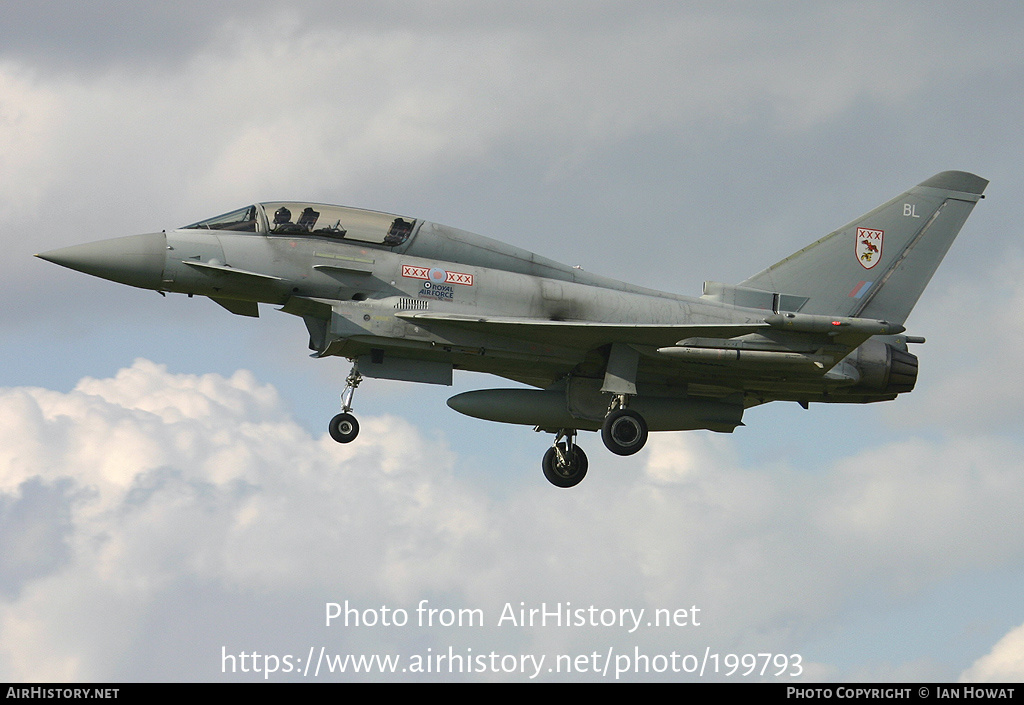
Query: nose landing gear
x=344 y=428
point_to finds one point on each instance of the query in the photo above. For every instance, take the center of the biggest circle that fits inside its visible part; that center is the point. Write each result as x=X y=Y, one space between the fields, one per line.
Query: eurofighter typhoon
x=407 y=299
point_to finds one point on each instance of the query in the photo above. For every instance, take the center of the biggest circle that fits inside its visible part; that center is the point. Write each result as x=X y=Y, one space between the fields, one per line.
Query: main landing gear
x=624 y=431
x=344 y=428
x=565 y=463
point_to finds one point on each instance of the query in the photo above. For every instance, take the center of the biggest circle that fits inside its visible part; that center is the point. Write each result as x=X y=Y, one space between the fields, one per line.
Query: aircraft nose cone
x=137 y=260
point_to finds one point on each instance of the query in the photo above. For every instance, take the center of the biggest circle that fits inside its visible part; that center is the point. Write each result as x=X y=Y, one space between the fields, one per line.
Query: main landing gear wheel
x=344 y=428
x=624 y=432
x=565 y=467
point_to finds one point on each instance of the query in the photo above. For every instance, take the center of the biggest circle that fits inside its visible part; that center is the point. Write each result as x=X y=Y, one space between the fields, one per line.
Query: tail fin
x=878 y=265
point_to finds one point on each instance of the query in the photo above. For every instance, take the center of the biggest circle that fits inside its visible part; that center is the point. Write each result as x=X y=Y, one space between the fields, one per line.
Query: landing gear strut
x=565 y=463
x=344 y=428
x=624 y=431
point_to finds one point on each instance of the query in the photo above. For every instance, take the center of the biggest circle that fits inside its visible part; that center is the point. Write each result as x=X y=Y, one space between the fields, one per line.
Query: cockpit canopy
x=294 y=218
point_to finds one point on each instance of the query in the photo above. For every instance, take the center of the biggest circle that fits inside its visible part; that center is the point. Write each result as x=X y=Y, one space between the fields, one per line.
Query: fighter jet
x=407 y=299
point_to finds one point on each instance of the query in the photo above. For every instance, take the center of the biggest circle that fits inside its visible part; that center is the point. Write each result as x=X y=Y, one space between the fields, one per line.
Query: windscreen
x=242 y=220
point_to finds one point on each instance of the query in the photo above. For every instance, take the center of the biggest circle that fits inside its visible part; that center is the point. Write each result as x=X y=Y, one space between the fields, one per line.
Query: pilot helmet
x=282 y=215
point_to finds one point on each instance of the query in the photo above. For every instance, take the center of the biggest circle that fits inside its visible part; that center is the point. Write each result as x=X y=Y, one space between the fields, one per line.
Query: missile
x=740 y=356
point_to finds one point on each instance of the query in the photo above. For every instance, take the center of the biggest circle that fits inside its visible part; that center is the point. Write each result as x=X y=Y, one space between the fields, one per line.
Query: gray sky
x=167 y=489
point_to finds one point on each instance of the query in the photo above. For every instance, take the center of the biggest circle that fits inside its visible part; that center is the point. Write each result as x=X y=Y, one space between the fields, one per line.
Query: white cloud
x=1003 y=664
x=169 y=477
x=158 y=493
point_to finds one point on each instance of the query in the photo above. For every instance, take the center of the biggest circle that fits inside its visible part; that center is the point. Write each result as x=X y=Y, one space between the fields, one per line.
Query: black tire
x=344 y=428
x=624 y=432
x=569 y=474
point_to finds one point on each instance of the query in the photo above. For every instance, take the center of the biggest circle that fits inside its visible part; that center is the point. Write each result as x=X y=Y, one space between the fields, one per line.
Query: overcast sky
x=168 y=493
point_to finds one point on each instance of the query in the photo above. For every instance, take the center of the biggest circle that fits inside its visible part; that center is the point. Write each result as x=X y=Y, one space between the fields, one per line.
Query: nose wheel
x=344 y=427
x=565 y=463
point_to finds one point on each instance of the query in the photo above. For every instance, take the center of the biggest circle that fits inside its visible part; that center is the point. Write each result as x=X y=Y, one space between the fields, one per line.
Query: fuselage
x=354 y=276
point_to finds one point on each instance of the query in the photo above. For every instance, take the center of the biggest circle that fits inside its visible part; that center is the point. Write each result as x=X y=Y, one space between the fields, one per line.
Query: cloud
x=1003 y=664
x=34 y=527
x=329 y=107
x=29 y=119
x=137 y=482
x=130 y=506
x=976 y=338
